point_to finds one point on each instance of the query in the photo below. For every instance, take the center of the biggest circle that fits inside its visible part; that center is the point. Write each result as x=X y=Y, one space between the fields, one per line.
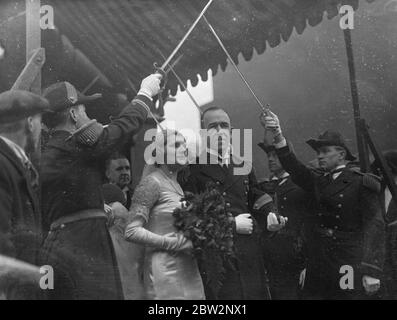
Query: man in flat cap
x=78 y=245
x=20 y=222
x=347 y=239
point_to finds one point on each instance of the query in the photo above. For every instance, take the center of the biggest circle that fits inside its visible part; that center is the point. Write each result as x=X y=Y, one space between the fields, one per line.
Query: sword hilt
x=163 y=74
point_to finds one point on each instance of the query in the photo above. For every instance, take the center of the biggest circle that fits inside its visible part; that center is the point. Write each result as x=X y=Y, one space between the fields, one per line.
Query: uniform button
x=282 y=207
x=339 y=205
x=322 y=226
x=245 y=181
x=228 y=204
x=218 y=183
x=62 y=226
x=285 y=198
x=337 y=216
x=247 y=203
x=320 y=214
x=341 y=195
x=336 y=227
x=224 y=194
x=334 y=238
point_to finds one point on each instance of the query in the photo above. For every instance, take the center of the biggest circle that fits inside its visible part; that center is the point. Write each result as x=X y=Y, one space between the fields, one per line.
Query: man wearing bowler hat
x=78 y=245
x=347 y=238
x=20 y=221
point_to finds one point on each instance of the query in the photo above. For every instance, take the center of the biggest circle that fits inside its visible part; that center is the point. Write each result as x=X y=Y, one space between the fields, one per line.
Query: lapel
x=214 y=172
x=233 y=179
x=340 y=183
x=286 y=187
x=225 y=176
x=392 y=209
x=16 y=162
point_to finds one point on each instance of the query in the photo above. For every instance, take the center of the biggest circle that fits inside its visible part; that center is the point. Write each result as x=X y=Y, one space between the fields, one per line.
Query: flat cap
x=16 y=105
x=63 y=95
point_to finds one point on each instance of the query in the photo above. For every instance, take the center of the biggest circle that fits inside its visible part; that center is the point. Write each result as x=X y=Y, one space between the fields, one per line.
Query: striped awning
x=123 y=38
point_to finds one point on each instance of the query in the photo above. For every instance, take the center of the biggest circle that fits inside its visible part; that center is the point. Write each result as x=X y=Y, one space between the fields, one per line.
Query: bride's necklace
x=172 y=183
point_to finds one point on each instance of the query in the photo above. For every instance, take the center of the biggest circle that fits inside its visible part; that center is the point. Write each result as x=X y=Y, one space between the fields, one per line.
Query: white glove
x=371 y=285
x=244 y=224
x=150 y=86
x=273 y=224
x=119 y=211
x=270 y=122
x=176 y=241
x=302 y=278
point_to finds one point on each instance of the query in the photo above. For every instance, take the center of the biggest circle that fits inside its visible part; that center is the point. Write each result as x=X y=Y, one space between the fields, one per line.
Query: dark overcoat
x=72 y=170
x=20 y=221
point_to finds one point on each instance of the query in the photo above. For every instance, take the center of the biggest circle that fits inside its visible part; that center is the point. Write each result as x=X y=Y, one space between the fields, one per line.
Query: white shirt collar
x=19 y=152
x=337 y=174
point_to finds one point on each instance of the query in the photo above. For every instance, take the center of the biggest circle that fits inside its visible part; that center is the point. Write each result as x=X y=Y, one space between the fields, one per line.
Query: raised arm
x=300 y=174
x=103 y=141
x=145 y=197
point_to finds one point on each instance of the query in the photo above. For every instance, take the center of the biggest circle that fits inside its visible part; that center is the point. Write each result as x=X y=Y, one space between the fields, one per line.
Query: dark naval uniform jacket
x=347 y=225
x=284 y=250
x=391 y=245
x=249 y=279
x=20 y=219
x=72 y=169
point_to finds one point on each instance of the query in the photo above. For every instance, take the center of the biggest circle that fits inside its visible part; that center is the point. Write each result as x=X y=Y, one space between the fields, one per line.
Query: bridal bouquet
x=203 y=219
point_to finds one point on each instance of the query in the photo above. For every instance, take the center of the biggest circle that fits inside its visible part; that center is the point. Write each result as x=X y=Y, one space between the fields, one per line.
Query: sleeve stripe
x=143 y=104
x=364 y=264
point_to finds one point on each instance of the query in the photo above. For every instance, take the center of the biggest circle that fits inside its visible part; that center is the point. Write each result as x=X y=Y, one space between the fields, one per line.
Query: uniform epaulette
x=88 y=134
x=371 y=181
x=262 y=200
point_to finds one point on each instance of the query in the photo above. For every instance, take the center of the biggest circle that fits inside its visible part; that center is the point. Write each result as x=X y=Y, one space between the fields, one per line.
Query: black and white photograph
x=214 y=152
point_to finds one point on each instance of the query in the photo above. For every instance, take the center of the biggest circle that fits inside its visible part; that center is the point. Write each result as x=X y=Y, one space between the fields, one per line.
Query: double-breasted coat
x=347 y=228
x=249 y=278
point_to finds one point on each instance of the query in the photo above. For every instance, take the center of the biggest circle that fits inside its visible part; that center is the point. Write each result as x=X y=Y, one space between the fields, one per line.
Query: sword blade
x=171 y=68
x=260 y=104
x=180 y=44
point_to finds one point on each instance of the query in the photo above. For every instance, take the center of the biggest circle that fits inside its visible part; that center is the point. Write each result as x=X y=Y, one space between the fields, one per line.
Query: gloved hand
x=177 y=242
x=371 y=285
x=150 y=86
x=302 y=278
x=244 y=224
x=271 y=123
x=119 y=211
x=273 y=224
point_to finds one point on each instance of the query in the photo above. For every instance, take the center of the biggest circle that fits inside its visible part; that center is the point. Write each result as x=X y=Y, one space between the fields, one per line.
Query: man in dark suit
x=284 y=251
x=118 y=172
x=249 y=206
x=20 y=220
x=389 y=208
x=78 y=245
x=347 y=223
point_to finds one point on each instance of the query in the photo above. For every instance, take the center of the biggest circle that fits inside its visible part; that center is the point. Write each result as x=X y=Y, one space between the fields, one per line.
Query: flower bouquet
x=203 y=220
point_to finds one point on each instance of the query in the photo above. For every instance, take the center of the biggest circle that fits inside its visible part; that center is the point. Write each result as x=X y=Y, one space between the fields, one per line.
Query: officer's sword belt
x=78 y=216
